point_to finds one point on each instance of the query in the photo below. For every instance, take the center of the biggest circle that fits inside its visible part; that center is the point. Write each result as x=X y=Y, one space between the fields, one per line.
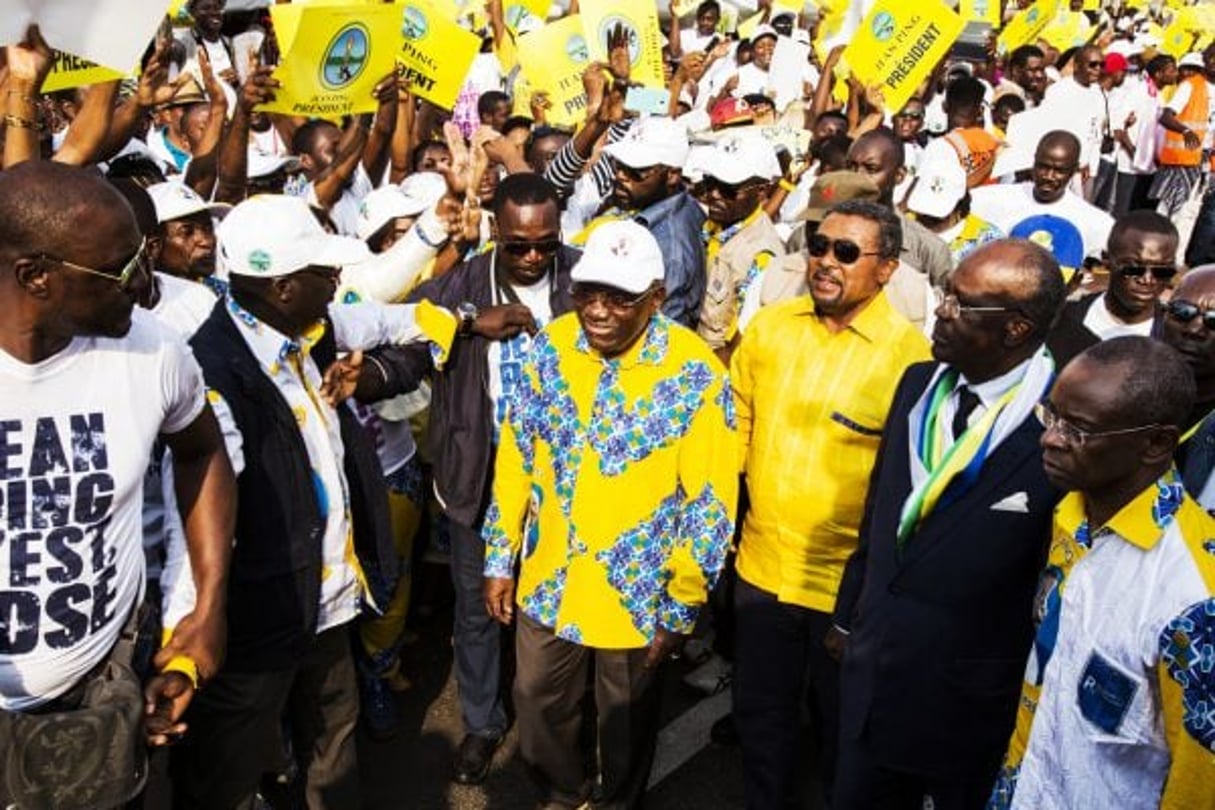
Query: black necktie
x=967 y=402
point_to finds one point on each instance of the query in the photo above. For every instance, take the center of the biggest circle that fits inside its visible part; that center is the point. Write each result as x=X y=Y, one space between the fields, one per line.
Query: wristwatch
x=467 y=313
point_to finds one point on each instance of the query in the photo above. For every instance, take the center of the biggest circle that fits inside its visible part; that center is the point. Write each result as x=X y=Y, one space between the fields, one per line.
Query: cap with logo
x=175 y=200
x=656 y=141
x=737 y=158
x=261 y=164
x=939 y=186
x=620 y=254
x=272 y=235
x=1055 y=234
x=416 y=193
x=833 y=188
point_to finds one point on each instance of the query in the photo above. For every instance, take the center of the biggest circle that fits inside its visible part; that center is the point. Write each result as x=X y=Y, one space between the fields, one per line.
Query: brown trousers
x=550 y=683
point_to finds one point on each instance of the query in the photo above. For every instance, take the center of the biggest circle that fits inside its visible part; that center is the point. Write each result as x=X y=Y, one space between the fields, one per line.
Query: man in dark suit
x=933 y=614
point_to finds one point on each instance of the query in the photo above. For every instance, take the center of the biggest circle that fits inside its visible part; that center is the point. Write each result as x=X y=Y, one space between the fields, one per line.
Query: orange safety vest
x=1194 y=116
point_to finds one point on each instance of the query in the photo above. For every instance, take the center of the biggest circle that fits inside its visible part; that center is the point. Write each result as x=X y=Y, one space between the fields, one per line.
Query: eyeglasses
x=137 y=263
x=1094 y=63
x=622 y=300
x=1160 y=272
x=727 y=191
x=636 y=175
x=950 y=307
x=1074 y=436
x=1184 y=312
x=521 y=248
x=845 y=250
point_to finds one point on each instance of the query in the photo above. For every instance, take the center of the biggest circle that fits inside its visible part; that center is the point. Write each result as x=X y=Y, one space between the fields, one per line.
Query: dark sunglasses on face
x=913 y=115
x=521 y=248
x=636 y=175
x=846 y=251
x=584 y=294
x=727 y=191
x=1160 y=272
x=1184 y=312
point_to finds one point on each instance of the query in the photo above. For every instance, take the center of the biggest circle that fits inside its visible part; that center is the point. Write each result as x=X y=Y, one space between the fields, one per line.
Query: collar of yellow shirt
x=873 y=322
x=650 y=349
x=1142 y=522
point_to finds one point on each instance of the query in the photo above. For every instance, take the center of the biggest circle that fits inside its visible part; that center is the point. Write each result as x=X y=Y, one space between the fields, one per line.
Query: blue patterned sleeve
x=1187 y=693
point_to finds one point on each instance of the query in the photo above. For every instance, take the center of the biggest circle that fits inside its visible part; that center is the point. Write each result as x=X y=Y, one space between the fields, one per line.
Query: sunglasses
x=913 y=115
x=845 y=250
x=636 y=175
x=521 y=248
x=586 y=294
x=1160 y=272
x=1094 y=63
x=727 y=191
x=137 y=263
x=1184 y=312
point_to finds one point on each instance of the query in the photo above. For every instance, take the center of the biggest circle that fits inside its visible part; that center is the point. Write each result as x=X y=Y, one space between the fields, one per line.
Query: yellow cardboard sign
x=1091 y=5
x=516 y=13
x=435 y=51
x=336 y=56
x=987 y=11
x=1025 y=27
x=72 y=71
x=640 y=21
x=1176 y=40
x=1069 y=29
x=553 y=59
x=682 y=8
x=899 y=43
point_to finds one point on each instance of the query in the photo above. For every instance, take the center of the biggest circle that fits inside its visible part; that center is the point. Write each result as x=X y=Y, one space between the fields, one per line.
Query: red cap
x=1115 y=62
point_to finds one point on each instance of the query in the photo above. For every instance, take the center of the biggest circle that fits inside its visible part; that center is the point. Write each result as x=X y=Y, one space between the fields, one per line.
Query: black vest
x=275 y=581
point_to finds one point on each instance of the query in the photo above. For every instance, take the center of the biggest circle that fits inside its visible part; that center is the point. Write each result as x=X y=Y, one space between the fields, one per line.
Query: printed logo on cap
x=1044 y=238
x=883 y=26
x=576 y=50
x=345 y=57
x=937 y=185
x=259 y=261
x=609 y=24
x=621 y=247
x=413 y=23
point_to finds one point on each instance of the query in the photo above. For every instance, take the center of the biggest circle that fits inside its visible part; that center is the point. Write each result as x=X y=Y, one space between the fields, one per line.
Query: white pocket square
x=1017 y=502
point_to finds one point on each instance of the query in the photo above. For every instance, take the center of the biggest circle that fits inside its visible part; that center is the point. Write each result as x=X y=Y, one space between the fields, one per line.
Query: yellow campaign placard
x=1091 y=5
x=1068 y=30
x=336 y=56
x=1025 y=27
x=899 y=43
x=435 y=51
x=70 y=71
x=987 y=11
x=553 y=59
x=1176 y=40
x=682 y=8
x=516 y=13
x=640 y=21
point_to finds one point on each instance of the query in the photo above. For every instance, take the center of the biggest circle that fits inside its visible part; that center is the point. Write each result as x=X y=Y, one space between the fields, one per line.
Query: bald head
x=1156 y=387
x=1027 y=276
x=878 y=154
x=1060 y=142
x=1198 y=284
x=45 y=205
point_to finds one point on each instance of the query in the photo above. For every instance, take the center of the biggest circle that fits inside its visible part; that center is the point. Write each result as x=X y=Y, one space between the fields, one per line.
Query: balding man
x=1056 y=161
x=1187 y=323
x=934 y=606
x=87 y=385
x=1116 y=705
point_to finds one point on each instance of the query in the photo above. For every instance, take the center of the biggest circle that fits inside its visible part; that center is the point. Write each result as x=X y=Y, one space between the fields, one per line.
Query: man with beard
x=1026 y=77
x=933 y=614
x=1056 y=161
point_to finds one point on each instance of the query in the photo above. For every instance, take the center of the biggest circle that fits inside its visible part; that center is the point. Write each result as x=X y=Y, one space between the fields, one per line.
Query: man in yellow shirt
x=814 y=378
x=614 y=491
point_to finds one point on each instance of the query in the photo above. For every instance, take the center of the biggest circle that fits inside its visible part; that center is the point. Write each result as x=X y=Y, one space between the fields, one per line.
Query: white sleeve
x=370 y=324
x=1180 y=98
x=181 y=385
x=392 y=275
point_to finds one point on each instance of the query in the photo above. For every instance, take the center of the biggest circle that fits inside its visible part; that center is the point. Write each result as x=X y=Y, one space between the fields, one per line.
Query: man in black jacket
x=313 y=542
x=502 y=298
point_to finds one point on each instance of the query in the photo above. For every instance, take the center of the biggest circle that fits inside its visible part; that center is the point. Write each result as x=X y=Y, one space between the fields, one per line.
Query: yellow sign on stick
x=553 y=59
x=1176 y=40
x=987 y=11
x=435 y=51
x=72 y=71
x=336 y=56
x=1024 y=28
x=1069 y=29
x=640 y=21
x=518 y=13
x=899 y=43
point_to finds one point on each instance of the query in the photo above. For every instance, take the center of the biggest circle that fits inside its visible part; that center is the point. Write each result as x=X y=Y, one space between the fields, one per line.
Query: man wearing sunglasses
x=1079 y=98
x=1115 y=704
x=503 y=297
x=740 y=238
x=813 y=378
x=1187 y=323
x=614 y=493
x=933 y=614
x=1142 y=257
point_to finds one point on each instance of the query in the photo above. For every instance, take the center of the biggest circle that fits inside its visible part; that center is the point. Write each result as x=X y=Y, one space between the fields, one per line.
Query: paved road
x=413 y=770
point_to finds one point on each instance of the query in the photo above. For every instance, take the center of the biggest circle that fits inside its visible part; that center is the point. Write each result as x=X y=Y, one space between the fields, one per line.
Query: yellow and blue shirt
x=1118 y=704
x=615 y=484
x=812 y=405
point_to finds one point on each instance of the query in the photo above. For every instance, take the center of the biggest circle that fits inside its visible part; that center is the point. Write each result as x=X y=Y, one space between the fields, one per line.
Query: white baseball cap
x=737 y=158
x=416 y=194
x=764 y=31
x=261 y=164
x=656 y=141
x=1191 y=60
x=174 y=200
x=273 y=235
x=620 y=254
x=938 y=187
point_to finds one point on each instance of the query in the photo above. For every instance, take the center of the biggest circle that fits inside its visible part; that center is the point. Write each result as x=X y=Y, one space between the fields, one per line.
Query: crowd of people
x=905 y=421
